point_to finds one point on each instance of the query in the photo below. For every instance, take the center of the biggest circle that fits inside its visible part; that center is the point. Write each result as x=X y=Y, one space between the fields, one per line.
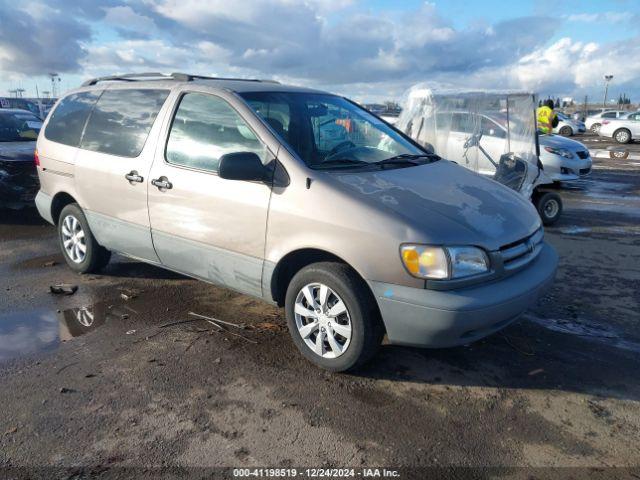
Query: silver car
x=593 y=122
x=567 y=126
x=622 y=130
x=357 y=233
x=564 y=159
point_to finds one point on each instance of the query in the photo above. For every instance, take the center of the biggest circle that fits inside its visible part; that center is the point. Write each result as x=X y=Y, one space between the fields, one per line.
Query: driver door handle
x=162 y=183
x=133 y=177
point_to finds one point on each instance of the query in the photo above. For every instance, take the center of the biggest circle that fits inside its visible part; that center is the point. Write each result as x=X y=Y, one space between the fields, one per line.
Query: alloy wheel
x=73 y=239
x=622 y=136
x=322 y=320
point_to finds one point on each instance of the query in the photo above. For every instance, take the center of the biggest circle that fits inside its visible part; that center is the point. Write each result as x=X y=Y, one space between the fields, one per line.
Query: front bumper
x=429 y=318
x=560 y=169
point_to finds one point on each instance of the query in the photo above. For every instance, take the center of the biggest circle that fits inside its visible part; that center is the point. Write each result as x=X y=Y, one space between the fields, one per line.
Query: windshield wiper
x=340 y=163
x=406 y=158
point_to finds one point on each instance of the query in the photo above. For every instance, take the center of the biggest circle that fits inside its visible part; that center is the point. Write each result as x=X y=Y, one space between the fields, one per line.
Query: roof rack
x=180 y=77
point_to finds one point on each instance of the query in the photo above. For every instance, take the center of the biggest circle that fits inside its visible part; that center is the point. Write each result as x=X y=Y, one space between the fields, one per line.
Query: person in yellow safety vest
x=547 y=119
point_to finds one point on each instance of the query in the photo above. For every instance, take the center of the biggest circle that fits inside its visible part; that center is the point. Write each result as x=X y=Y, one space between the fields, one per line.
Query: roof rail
x=187 y=77
x=180 y=77
x=128 y=77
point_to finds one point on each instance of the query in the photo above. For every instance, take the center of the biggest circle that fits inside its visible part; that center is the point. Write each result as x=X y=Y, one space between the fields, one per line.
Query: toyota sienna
x=296 y=196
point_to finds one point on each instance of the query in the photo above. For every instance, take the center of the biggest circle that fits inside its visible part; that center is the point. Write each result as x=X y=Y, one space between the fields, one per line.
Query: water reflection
x=27 y=332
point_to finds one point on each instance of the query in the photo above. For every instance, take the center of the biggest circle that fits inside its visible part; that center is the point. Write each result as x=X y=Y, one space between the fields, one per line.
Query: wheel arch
x=293 y=262
x=59 y=201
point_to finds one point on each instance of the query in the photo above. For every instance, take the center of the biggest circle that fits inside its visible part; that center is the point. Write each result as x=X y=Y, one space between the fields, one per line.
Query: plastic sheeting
x=492 y=133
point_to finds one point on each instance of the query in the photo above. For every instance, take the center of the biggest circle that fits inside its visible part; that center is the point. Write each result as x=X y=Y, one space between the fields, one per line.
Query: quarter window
x=121 y=121
x=204 y=129
x=69 y=117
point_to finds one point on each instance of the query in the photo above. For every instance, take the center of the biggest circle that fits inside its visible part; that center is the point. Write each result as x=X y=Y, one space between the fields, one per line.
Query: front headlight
x=441 y=263
x=563 y=152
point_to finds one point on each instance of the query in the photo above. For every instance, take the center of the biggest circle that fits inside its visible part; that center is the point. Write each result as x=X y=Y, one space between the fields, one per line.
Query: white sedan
x=622 y=130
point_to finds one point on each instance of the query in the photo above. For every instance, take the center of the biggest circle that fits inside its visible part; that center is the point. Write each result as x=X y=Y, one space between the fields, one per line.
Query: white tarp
x=487 y=132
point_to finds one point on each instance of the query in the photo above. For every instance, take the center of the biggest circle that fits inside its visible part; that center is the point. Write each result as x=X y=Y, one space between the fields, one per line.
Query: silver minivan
x=296 y=196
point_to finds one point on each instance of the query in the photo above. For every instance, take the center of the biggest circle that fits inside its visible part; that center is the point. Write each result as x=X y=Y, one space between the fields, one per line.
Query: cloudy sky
x=368 y=49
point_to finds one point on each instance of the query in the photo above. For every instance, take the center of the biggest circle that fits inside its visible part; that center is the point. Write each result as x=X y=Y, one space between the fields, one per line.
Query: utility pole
x=607 y=79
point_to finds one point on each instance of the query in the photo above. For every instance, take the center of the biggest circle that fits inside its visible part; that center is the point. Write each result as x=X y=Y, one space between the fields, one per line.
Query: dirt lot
x=557 y=389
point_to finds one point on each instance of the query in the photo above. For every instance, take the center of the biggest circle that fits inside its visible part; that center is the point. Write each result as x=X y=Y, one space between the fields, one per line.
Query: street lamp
x=54 y=76
x=607 y=79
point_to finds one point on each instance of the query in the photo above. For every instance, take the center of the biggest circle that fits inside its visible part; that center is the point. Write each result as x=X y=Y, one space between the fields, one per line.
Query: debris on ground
x=536 y=372
x=66 y=390
x=52 y=263
x=221 y=325
x=204 y=317
x=11 y=430
x=516 y=348
x=63 y=289
x=66 y=366
x=270 y=326
x=128 y=293
x=130 y=332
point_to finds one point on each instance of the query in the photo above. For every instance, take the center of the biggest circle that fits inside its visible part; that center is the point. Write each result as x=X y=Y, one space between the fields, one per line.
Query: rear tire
x=80 y=249
x=334 y=341
x=622 y=135
x=549 y=206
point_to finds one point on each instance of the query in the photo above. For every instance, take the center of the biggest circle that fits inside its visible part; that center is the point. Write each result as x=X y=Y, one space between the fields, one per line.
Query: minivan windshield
x=330 y=133
x=19 y=126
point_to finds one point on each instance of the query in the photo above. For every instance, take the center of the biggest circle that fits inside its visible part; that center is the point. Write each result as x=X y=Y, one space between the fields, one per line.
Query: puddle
x=573 y=230
x=27 y=332
x=592 y=332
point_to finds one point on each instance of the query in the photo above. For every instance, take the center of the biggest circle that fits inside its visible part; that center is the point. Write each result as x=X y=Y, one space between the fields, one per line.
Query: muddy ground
x=97 y=381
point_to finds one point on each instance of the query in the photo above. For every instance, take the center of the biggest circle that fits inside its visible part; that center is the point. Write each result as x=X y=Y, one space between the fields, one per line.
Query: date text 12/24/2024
x=315 y=473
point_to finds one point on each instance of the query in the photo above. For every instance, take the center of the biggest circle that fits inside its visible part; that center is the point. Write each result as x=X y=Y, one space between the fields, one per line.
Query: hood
x=447 y=204
x=17 y=151
x=558 y=141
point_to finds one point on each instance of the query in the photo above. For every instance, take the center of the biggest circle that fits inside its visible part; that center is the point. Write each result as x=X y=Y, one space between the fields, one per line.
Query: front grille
x=583 y=154
x=584 y=171
x=518 y=254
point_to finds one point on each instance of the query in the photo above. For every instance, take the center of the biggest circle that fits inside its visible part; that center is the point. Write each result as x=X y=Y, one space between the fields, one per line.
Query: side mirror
x=242 y=166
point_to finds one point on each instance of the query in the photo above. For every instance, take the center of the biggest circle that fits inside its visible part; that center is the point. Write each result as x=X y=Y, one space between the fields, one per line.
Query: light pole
x=607 y=79
x=54 y=76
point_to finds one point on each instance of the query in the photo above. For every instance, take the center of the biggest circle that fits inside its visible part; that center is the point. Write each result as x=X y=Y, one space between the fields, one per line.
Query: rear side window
x=121 y=121
x=609 y=115
x=206 y=127
x=68 y=119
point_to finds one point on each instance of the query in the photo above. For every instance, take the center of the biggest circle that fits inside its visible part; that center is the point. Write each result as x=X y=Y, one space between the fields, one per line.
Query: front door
x=201 y=224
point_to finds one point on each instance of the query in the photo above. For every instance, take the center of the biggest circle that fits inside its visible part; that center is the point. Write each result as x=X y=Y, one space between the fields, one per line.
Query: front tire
x=622 y=135
x=595 y=128
x=80 y=249
x=549 y=206
x=333 y=317
x=566 y=131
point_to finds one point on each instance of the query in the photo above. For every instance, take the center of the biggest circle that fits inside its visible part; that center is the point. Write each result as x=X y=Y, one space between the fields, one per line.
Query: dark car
x=18 y=175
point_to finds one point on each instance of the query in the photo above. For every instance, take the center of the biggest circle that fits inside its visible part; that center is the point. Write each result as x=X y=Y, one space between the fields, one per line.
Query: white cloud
x=124 y=17
x=343 y=45
x=604 y=17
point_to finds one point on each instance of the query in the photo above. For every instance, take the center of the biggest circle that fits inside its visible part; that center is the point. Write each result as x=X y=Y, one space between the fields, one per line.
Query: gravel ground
x=95 y=382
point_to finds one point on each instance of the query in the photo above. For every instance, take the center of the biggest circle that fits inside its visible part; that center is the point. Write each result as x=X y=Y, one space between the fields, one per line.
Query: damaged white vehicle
x=494 y=134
